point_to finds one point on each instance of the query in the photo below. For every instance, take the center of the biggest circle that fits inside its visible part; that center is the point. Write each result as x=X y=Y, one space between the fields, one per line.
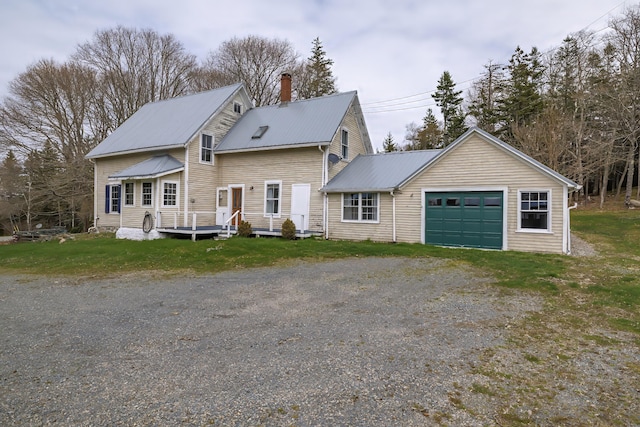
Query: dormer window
x=237 y=108
x=261 y=130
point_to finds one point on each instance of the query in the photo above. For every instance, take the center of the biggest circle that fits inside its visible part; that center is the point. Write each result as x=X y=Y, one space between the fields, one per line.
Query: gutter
x=140 y=150
x=270 y=148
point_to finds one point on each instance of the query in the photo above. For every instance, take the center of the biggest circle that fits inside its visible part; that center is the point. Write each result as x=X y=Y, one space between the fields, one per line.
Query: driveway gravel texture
x=353 y=342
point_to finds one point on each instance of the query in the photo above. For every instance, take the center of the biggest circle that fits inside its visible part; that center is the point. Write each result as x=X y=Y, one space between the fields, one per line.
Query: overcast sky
x=391 y=51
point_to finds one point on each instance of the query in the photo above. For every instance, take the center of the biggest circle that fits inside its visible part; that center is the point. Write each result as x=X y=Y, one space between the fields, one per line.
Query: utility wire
x=389 y=105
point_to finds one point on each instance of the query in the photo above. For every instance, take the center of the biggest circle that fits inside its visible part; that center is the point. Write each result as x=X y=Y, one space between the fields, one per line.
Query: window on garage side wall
x=534 y=210
x=361 y=207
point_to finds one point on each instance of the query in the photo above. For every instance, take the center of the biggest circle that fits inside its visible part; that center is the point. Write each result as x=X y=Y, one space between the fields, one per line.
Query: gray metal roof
x=389 y=171
x=164 y=124
x=379 y=172
x=151 y=168
x=299 y=123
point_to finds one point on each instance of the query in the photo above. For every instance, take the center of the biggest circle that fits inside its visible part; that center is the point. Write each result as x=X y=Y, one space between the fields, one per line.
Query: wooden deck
x=218 y=231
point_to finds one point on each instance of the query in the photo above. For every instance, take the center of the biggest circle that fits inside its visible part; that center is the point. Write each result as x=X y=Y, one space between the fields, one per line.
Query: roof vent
x=261 y=130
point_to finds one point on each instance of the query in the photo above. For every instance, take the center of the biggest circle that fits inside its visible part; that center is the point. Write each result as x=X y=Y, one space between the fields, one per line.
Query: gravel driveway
x=374 y=341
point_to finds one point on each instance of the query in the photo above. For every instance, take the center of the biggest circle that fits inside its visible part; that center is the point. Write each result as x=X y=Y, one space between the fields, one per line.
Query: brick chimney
x=285 y=88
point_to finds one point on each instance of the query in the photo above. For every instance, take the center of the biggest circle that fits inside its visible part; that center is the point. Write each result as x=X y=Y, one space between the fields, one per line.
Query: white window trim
x=142 y=194
x=111 y=210
x=213 y=143
x=344 y=129
x=177 y=183
x=279 y=214
x=361 y=221
x=239 y=104
x=549 y=230
x=124 y=194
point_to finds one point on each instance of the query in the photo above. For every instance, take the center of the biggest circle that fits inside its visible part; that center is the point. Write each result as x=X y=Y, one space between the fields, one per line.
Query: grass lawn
x=608 y=279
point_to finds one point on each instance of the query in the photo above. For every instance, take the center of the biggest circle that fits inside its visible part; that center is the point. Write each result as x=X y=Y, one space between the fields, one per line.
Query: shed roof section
x=151 y=168
x=300 y=123
x=164 y=124
x=379 y=172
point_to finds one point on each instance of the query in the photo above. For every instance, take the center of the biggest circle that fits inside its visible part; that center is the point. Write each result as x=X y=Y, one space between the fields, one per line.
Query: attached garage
x=478 y=192
x=466 y=219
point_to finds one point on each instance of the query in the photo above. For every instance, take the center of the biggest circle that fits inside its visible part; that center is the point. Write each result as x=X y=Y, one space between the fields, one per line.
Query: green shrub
x=288 y=229
x=244 y=229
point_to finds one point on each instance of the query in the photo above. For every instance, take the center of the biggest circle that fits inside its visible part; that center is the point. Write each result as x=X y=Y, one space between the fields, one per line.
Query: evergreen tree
x=450 y=102
x=388 y=145
x=522 y=100
x=483 y=96
x=317 y=79
x=12 y=190
x=430 y=135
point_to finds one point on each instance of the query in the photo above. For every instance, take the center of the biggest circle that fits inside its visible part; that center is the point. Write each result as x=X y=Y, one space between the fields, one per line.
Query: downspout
x=575 y=205
x=186 y=186
x=157 y=194
x=326 y=228
x=325 y=218
x=95 y=194
x=393 y=214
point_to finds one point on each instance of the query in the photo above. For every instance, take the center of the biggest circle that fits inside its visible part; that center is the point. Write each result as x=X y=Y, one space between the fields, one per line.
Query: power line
x=389 y=105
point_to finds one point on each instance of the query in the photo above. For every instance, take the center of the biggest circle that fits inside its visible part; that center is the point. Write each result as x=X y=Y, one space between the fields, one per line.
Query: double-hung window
x=128 y=193
x=206 y=149
x=272 y=198
x=169 y=194
x=534 y=207
x=112 y=198
x=361 y=207
x=344 y=141
x=147 y=194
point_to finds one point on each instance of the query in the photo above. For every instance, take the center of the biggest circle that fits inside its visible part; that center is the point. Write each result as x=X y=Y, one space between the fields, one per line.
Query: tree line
x=575 y=108
x=56 y=112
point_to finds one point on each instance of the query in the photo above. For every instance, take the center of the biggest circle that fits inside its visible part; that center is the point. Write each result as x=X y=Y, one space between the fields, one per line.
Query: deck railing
x=226 y=224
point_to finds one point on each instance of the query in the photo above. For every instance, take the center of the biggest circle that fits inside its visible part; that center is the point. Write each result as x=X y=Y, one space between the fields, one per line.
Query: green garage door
x=469 y=219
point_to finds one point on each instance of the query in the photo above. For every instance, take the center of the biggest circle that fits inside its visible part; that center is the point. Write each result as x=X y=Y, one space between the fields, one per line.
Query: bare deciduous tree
x=136 y=67
x=257 y=62
x=625 y=39
x=50 y=106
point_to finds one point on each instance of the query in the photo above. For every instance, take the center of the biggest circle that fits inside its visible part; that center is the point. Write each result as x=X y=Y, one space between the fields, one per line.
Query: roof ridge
x=300 y=101
x=188 y=95
x=399 y=152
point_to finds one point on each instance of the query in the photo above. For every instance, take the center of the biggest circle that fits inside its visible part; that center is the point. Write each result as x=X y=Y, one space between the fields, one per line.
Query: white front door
x=300 y=197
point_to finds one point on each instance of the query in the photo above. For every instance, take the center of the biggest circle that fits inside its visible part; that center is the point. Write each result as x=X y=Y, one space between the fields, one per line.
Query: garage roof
x=389 y=171
x=379 y=172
